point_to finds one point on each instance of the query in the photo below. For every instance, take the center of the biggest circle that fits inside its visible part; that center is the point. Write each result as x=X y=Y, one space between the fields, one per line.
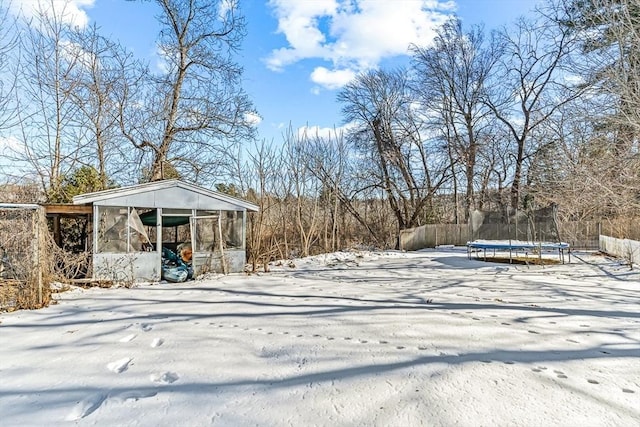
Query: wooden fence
x=579 y=235
x=627 y=249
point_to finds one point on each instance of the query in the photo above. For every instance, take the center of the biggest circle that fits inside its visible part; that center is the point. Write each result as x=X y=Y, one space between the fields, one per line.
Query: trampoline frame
x=515 y=245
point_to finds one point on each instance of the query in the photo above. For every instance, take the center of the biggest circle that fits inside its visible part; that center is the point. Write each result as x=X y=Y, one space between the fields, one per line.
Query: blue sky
x=298 y=53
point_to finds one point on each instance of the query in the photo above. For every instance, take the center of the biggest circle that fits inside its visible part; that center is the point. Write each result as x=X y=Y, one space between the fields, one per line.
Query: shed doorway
x=191 y=237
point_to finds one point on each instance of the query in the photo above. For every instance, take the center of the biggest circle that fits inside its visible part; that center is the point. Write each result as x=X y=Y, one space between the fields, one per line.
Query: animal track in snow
x=128 y=338
x=560 y=374
x=627 y=390
x=86 y=406
x=120 y=365
x=133 y=395
x=590 y=381
x=165 y=377
x=157 y=342
x=146 y=327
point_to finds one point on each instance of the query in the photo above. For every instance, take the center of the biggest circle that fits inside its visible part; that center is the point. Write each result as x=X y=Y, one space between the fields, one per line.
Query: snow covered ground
x=347 y=339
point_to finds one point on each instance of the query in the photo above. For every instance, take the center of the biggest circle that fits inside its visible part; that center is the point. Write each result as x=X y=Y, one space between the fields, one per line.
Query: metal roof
x=170 y=193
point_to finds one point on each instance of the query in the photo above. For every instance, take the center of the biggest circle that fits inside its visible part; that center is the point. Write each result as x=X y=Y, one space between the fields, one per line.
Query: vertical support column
x=56 y=230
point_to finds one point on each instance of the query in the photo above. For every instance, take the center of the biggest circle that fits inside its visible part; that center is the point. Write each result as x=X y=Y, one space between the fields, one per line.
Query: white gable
x=165 y=194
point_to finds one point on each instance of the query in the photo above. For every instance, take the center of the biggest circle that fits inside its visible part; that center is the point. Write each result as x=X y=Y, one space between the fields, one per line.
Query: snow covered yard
x=369 y=339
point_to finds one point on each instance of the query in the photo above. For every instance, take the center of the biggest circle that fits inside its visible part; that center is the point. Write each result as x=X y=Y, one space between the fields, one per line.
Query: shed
x=135 y=227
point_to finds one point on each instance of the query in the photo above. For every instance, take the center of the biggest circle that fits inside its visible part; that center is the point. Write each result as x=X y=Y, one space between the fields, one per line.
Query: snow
x=344 y=339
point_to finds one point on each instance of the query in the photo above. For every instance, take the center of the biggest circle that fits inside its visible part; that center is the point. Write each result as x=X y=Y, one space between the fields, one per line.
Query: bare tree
x=196 y=107
x=105 y=74
x=8 y=56
x=306 y=190
x=258 y=182
x=388 y=134
x=608 y=32
x=529 y=86
x=50 y=136
x=332 y=162
x=451 y=80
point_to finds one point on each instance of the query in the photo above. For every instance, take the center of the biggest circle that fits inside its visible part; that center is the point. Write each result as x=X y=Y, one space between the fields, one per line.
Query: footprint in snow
x=157 y=342
x=627 y=390
x=590 y=381
x=560 y=374
x=128 y=338
x=120 y=365
x=533 y=332
x=134 y=395
x=164 y=377
x=86 y=406
x=146 y=327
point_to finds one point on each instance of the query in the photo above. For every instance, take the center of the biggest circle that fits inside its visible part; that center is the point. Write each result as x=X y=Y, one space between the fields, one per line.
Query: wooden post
x=223 y=262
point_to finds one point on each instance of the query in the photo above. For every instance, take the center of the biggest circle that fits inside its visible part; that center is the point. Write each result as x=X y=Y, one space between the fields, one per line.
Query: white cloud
x=10 y=144
x=332 y=79
x=574 y=79
x=253 y=119
x=352 y=35
x=70 y=11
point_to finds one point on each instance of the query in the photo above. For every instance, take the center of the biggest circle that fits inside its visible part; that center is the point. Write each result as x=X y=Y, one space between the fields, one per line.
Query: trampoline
x=515 y=246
